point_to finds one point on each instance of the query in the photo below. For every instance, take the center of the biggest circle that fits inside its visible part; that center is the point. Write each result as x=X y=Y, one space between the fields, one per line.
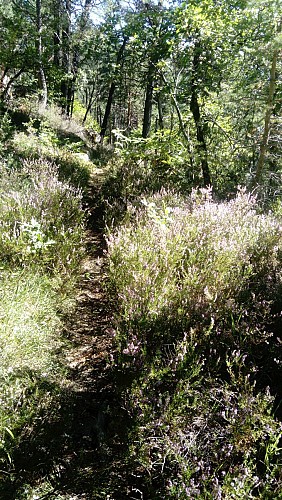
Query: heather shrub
x=41 y=218
x=206 y=439
x=45 y=144
x=49 y=124
x=197 y=265
x=196 y=288
x=57 y=121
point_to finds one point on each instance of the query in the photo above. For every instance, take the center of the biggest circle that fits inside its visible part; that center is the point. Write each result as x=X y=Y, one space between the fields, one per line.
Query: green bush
x=145 y=166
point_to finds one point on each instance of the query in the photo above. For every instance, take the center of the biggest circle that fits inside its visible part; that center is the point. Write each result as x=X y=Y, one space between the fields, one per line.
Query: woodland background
x=154 y=127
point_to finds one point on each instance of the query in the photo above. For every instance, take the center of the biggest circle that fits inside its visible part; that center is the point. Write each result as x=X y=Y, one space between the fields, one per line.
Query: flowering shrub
x=197 y=288
x=45 y=144
x=41 y=217
x=201 y=261
x=208 y=439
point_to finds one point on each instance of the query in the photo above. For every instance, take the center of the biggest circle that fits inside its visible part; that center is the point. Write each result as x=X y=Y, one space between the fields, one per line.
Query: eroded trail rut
x=97 y=441
x=88 y=328
x=92 y=463
x=79 y=450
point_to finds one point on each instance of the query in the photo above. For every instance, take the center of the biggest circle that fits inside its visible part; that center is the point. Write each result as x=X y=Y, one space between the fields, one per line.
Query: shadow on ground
x=80 y=450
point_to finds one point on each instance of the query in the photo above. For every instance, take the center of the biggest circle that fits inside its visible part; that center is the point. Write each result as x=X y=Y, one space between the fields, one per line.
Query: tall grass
x=197 y=286
x=29 y=360
x=29 y=323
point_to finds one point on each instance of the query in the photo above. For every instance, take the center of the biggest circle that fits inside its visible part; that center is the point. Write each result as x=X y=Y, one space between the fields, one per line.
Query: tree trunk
x=107 y=111
x=41 y=74
x=147 y=117
x=89 y=102
x=85 y=15
x=10 y=82
x=3 y=80
x=160 y=110
x=202 y=147
x=56 y=33
x=129 y=110
x=195 y=110
x=267 y=119
x=180 y=118
x=65 y=48
x=105 y=122
x=72 y=82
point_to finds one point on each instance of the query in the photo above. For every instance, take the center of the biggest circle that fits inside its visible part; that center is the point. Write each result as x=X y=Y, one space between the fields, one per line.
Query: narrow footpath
x=92 y=464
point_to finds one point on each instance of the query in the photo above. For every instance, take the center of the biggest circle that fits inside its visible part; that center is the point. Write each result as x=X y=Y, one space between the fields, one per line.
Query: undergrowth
x=196 y=287
x=144 y=166
x=41 y=217
x=30 y=342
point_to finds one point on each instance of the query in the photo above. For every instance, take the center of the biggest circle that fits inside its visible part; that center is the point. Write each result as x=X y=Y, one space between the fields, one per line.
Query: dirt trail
x=88 y=329
x=93 y=456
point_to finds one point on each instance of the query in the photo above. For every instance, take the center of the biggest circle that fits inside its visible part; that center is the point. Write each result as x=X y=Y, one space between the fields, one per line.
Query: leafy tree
x=16 y=39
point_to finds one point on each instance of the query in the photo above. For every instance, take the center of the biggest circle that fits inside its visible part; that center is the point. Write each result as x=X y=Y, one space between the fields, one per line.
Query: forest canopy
x=205 y=75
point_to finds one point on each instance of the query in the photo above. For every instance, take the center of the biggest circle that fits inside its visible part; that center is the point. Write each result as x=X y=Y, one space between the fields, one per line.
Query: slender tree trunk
x=105 y=122
x=129 y=110
x=147 y=117
x=65 y=49
x=56 y=33
x=180 y=119
x=3 y=78
x=267 y=119
x=89 y=103
x=99 y=115
x=195 y=110
x=7 y=81
x=72 y=56
x=11 y=81
x=160 y=110
x=202 y=147
x=41 y=74
x=85 y=15
x=72 y=82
